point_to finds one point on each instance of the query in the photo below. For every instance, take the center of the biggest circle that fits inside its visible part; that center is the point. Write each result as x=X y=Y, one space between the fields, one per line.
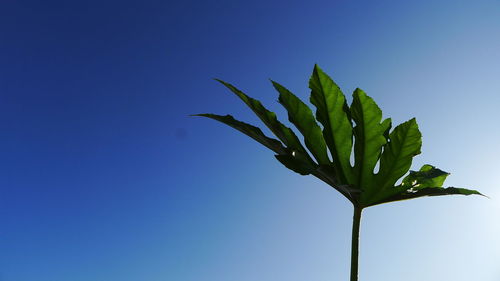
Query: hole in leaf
x=351 y=158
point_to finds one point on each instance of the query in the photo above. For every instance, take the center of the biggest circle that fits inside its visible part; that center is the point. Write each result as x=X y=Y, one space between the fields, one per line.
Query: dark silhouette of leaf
x=249 y=130
x=285 y=134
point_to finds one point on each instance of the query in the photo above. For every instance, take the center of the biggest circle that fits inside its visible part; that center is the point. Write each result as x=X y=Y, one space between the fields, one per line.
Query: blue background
x=103 y=176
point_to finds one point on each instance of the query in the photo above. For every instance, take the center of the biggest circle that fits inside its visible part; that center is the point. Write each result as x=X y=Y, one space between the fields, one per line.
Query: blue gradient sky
x=104 y=177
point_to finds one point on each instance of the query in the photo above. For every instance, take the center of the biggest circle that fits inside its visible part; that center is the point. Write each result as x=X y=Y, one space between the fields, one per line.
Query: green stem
x=356 y=220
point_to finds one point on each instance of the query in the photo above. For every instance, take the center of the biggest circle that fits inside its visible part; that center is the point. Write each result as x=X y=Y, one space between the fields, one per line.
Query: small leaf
x=331 y=111
x=427 y=181
x=301 y=116
x=427 y=176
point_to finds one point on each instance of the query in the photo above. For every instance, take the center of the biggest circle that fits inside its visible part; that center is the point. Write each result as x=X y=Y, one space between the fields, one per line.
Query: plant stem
x=356 y=220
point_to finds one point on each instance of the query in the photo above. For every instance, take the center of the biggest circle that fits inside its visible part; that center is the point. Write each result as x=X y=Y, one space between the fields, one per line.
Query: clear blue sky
x=103 y=176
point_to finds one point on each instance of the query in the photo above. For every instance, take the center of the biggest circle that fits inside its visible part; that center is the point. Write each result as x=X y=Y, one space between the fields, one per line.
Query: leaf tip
x=228 y=85
x=358 y=92
x=317 y=72
x=280 y=88
x=201 y=115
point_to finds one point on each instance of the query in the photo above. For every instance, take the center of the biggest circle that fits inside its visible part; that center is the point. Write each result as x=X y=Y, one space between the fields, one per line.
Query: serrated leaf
x=404 y=143
x=302 y=117
x=369 y=133
x=331 y=111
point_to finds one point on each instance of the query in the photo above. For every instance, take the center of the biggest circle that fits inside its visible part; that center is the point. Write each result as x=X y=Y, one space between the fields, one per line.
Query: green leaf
x=404 y=143
x=373 y=143
x=428 y=191
x=427 y=176
x=427 y=181
x=302 y=117
x=331 y=111
x=370 y=137
x=295 y=164
x=249 y=130
x=285 y=134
